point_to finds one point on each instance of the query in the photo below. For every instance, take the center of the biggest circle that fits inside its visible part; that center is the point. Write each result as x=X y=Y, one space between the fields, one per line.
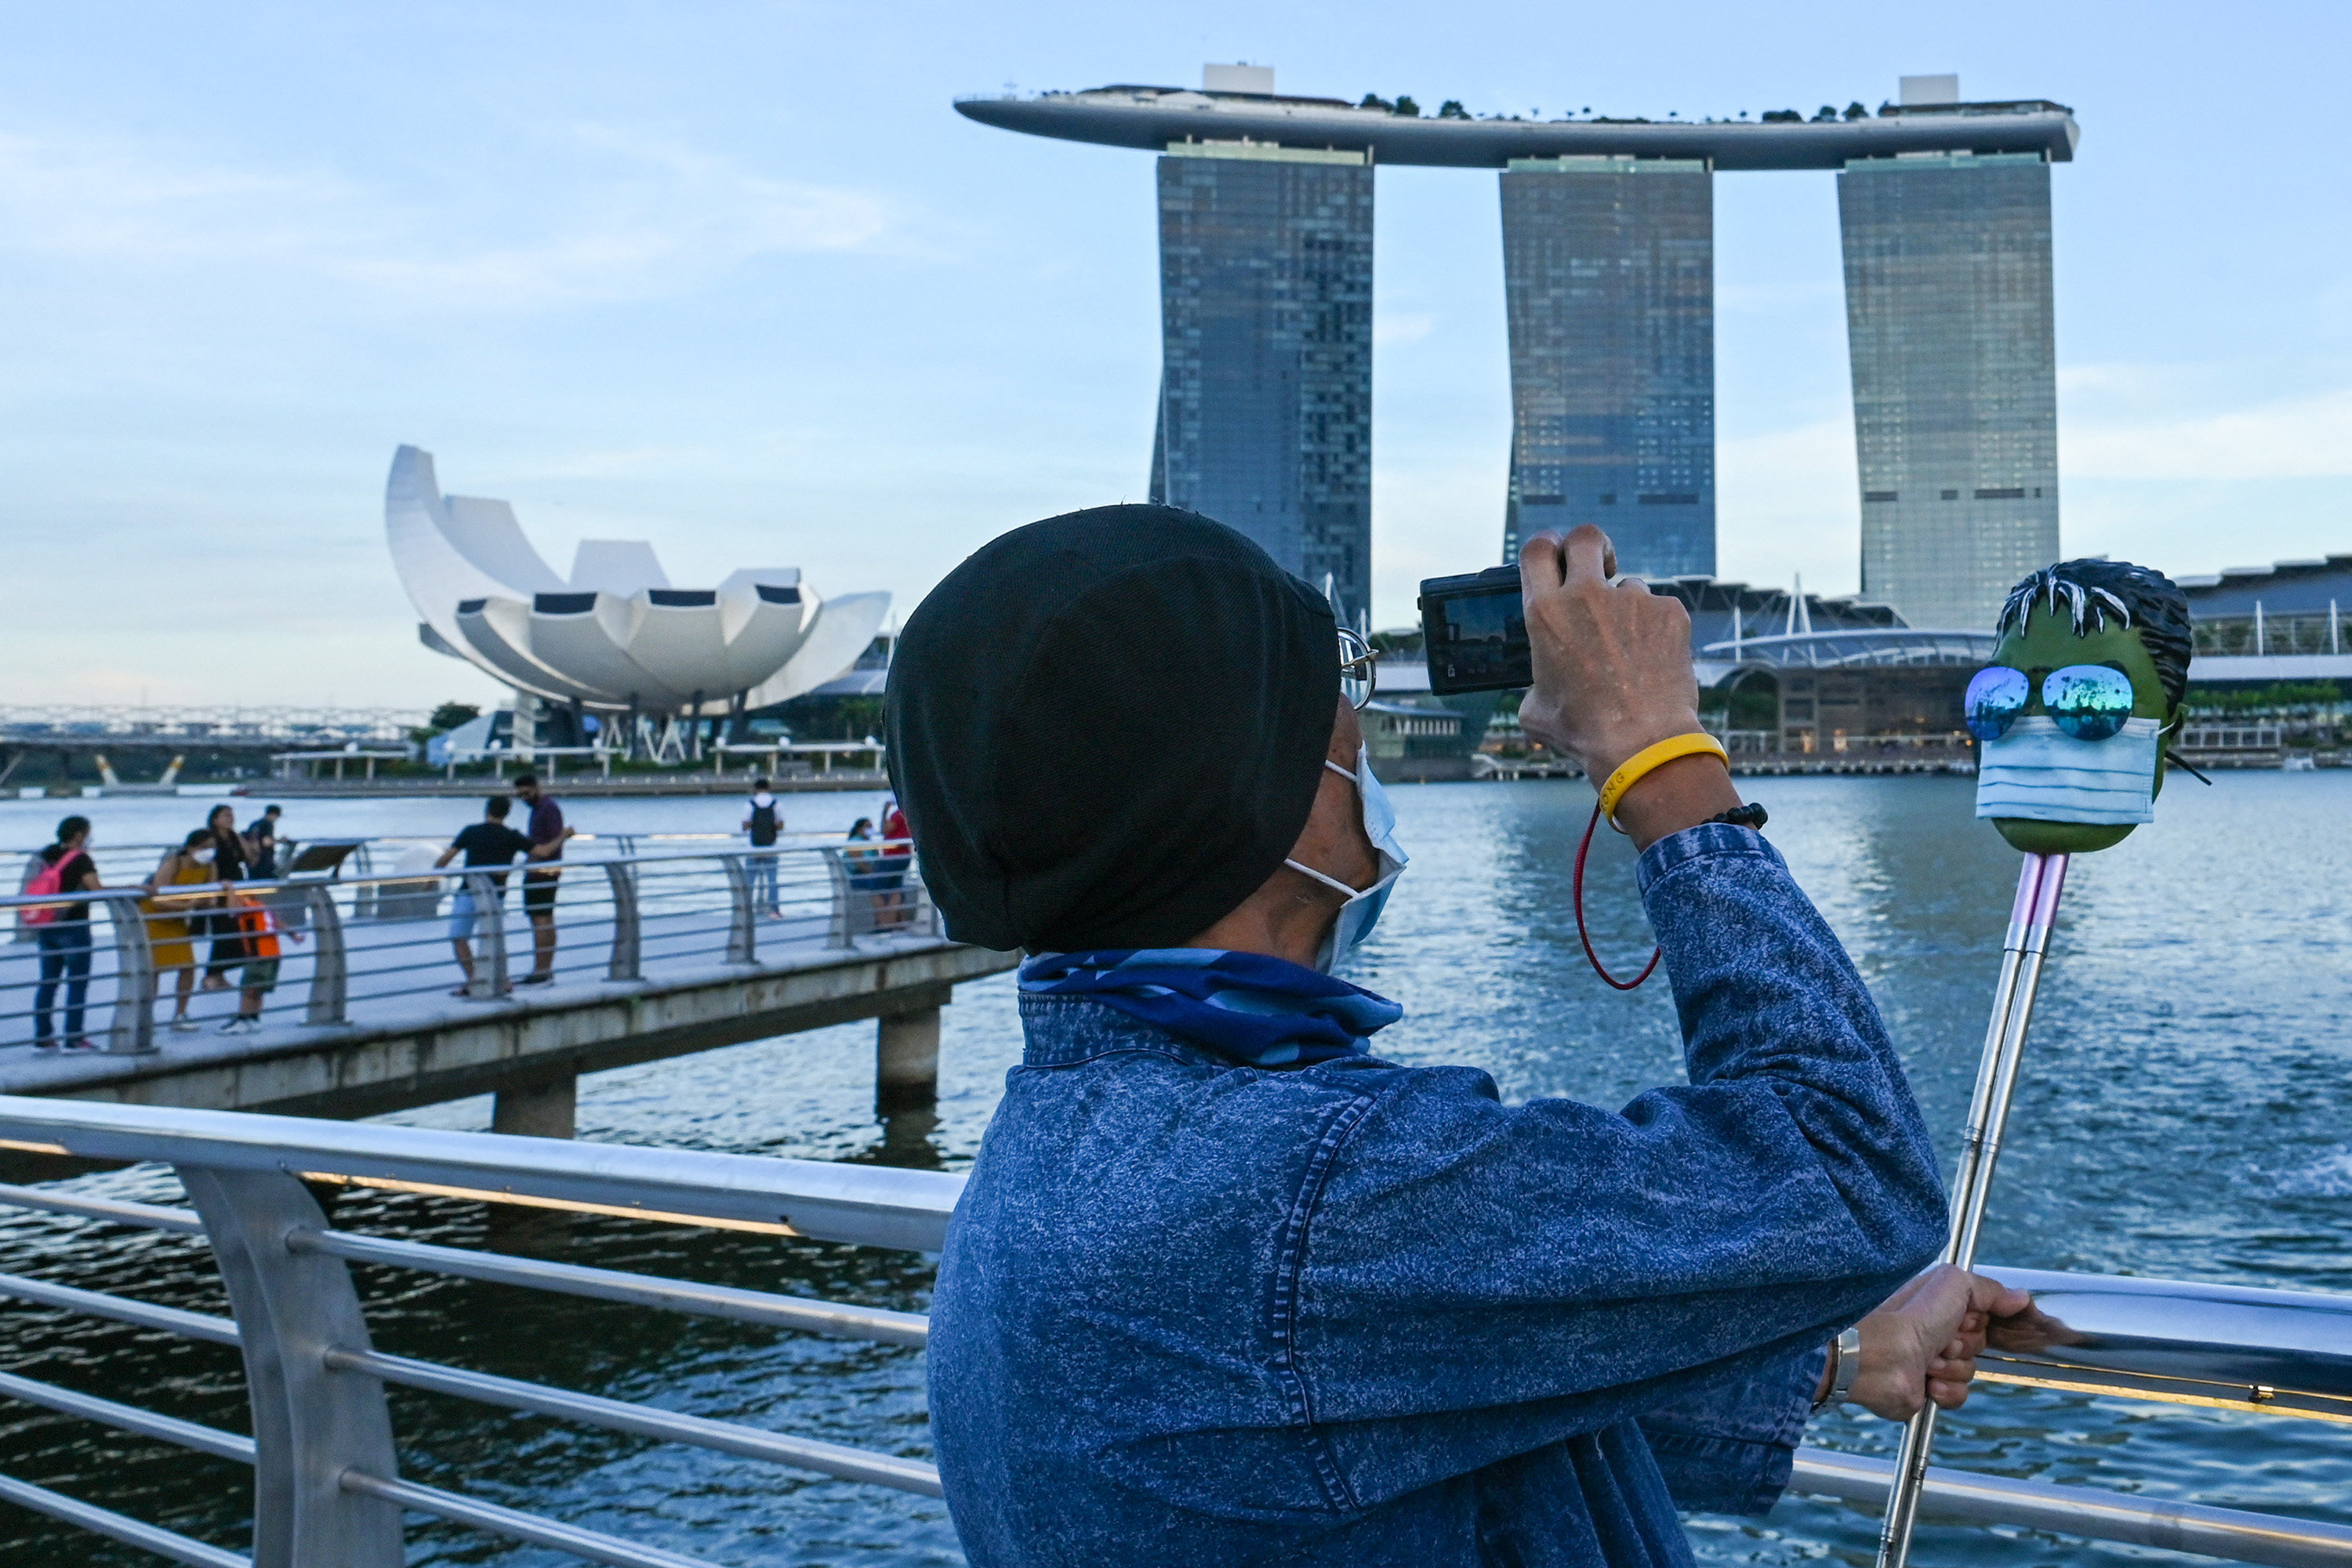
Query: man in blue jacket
x=1225 y=1287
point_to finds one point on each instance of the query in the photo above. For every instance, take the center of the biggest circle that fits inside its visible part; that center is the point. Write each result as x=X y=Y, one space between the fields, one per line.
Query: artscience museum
x=615 y=637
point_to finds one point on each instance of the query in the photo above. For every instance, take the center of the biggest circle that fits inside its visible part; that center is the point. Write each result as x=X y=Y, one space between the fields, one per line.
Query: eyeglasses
x=1358 y=669
x=2089 y=701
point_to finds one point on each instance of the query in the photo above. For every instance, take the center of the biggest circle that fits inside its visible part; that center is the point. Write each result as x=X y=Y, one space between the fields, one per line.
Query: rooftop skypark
x=1398 y=131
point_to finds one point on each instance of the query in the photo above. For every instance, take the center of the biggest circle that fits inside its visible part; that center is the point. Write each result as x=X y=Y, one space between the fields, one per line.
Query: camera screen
x=1479 y=642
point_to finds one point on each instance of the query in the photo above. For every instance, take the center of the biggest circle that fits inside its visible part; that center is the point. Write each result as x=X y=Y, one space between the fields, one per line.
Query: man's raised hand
x=1612 y=669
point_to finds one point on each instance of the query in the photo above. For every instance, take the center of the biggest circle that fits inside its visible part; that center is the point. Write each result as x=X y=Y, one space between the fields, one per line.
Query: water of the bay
x=2187 y=1113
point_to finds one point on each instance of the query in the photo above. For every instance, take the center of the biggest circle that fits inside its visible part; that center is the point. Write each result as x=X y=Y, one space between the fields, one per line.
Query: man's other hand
x=1612 y=669
x=1923 y=1343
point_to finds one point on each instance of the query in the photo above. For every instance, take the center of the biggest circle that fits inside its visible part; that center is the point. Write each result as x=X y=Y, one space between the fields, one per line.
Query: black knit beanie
x=1106 y=729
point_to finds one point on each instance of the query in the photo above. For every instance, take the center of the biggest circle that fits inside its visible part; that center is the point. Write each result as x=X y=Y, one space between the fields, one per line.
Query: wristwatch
x=1845 y=1365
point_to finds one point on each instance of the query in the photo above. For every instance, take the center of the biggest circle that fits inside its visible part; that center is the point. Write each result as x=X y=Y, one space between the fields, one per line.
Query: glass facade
x=1948 y=317
x=1265 y=394
x=1609 y=285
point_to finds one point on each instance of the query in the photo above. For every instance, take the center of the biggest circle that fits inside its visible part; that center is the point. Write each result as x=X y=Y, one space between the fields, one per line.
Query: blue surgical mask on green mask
x=2037 y=772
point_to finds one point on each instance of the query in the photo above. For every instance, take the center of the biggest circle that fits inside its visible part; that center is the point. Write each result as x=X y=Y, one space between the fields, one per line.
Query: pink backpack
x=47 y=883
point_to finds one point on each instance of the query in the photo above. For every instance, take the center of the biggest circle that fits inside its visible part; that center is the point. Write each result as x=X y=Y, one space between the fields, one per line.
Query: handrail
x=116 y=1527
x=593 y=1546
x=832 y=1459
x=869 y=1205
x=2235 y=1533
x=832 y=1319
x=129 y=1418
x=193 y=894
x=301 y=1329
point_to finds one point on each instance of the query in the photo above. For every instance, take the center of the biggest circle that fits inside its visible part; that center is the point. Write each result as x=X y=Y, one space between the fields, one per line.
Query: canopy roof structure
x=615 y=637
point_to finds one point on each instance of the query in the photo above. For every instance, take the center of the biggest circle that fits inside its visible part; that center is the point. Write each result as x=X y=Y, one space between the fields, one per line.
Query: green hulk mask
x=2072 y=713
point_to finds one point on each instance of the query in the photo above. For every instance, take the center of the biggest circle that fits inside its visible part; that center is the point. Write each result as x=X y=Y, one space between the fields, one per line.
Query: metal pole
x=2024 y=949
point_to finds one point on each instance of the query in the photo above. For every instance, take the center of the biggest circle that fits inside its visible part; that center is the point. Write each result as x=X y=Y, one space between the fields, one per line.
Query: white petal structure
x=616 y=636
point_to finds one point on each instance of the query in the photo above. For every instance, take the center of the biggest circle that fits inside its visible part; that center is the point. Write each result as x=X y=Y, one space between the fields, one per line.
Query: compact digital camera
x=1476 y=631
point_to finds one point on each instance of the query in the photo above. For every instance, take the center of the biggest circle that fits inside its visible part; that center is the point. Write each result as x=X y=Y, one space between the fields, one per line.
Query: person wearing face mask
x=172 y=923
x=1226 y=1287
x=227 y=863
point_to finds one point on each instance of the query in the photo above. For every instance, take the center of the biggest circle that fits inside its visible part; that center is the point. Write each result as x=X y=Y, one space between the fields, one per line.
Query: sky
x=734 y=278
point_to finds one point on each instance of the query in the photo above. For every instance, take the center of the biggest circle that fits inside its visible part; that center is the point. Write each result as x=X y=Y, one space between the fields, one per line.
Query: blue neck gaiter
x=1246 y=1006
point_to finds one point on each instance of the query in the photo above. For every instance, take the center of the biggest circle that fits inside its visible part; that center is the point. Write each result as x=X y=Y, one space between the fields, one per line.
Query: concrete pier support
x=543 y=1107
x=907 y=1061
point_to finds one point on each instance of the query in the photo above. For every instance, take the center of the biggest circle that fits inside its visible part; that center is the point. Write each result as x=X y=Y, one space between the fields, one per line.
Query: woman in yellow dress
x=170 y=929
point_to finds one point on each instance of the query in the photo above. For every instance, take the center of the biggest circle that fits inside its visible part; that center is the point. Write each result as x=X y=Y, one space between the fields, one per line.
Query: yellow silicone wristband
x=1642 y=763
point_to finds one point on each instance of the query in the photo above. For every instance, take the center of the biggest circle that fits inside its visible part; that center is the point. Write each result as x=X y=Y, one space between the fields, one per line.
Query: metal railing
x=123 y=969
x=328 y=1488
x=327 y=1483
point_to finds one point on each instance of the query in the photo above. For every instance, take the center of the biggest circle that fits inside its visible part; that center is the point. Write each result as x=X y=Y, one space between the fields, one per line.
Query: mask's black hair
x=2136 y=598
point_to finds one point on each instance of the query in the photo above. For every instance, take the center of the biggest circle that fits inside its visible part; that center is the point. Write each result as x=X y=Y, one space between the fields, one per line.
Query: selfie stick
x=2039 y=883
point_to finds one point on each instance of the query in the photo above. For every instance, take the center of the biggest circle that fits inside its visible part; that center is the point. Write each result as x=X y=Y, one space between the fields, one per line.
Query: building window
x=1667 y=501
x=1877 y=495
x=1609 y=501
x=2015 y=494
x=1951 y=495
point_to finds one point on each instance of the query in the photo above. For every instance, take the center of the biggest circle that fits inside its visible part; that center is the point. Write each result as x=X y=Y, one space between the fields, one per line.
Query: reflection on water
x=2184 y=1115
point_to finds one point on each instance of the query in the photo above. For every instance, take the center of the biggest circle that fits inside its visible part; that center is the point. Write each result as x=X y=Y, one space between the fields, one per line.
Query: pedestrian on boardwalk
x=490 y=842
x=547 y=834
x=261 y=843
x=62 y=932
x=172 y=923
x=763 y=821
x=258 y=928
x=1225 y=1287
x=866 y=882
x=893 y=906
x=227 y=858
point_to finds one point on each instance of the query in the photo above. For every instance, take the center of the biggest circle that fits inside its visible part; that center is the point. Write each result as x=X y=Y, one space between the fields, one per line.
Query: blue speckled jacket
x=1192 y=1314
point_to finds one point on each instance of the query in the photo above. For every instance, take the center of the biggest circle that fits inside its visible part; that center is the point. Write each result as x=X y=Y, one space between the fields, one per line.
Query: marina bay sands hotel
x=1265 y=248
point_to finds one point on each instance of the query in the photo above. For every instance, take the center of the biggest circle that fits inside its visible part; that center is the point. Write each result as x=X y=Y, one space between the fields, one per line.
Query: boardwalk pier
x=658 y=955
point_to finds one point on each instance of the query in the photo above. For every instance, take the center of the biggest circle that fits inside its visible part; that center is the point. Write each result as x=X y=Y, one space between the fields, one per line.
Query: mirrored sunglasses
x=2088 y=701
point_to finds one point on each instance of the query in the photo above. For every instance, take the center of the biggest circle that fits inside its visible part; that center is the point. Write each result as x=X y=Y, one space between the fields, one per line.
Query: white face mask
x=202 y=856
x=1362 y=910
x=2040 y=773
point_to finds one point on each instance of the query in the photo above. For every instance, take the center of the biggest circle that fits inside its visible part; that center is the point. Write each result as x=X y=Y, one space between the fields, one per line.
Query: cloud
x=2300 y=437
x=616 y=218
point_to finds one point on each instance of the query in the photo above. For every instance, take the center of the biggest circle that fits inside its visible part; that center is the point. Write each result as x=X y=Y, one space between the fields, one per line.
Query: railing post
x=743 y=928
x=629 y=935
x=924 y=915
x=839 y=935
x=330 y=965
x=490 y=936
x=134 y=1030
x=310 y=1424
